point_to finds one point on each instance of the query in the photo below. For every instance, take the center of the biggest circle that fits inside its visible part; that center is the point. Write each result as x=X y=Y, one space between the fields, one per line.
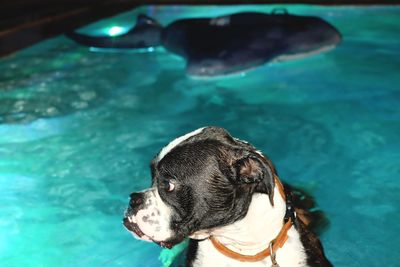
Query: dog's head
x=200 y=181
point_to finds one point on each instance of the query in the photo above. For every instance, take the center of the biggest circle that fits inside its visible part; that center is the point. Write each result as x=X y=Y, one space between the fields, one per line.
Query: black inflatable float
x=226 y=44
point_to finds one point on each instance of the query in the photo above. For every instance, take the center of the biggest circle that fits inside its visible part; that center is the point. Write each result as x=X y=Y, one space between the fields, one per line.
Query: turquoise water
x=78 y=129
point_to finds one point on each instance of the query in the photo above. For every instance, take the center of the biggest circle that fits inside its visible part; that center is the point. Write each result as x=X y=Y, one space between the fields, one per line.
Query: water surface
x=79 y=128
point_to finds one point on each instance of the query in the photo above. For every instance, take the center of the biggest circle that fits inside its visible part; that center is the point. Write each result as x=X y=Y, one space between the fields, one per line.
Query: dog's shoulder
x=191 y=252
x=310 y=223
x=312 y=246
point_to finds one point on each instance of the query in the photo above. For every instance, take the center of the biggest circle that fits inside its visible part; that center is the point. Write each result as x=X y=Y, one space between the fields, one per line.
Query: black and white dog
x=225 y=196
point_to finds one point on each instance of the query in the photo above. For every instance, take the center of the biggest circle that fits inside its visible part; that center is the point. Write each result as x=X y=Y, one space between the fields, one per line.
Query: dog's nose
x=136 y=200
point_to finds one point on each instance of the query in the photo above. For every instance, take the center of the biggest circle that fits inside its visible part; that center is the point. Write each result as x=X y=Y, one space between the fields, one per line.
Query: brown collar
x=277 y=243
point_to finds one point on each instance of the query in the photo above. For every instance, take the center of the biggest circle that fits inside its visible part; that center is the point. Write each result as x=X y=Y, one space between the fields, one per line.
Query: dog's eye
x=168 y=185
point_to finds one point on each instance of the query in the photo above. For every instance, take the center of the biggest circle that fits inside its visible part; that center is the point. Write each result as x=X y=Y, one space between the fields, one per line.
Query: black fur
x=215 y=202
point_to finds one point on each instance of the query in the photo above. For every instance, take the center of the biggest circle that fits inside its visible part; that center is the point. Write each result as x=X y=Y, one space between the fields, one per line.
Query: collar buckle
x=272 y=254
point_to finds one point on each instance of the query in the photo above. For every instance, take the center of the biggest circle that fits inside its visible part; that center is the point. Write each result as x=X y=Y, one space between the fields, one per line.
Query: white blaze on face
x=176 y=142
x=154 y=220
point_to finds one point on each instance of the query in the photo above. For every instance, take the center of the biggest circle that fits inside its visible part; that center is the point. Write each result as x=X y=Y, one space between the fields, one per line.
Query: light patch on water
x=123 y=50
x=39 y=129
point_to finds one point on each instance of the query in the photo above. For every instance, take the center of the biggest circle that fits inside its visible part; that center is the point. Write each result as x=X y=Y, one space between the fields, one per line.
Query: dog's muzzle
x=148 y=218
x=129 y=221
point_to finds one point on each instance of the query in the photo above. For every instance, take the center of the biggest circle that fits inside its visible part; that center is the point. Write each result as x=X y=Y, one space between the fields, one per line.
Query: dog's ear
x=253 y=169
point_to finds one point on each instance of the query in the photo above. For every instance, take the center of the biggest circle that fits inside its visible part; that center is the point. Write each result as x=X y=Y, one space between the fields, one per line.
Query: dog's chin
x=134 y=228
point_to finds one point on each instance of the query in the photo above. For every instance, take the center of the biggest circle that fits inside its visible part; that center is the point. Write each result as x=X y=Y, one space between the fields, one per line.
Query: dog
x=224 y=195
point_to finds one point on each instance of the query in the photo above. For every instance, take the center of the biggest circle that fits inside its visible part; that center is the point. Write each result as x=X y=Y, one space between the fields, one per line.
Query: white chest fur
x=251 y=235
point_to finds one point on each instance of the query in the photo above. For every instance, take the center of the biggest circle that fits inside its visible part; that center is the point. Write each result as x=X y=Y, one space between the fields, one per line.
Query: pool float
x=227 y=44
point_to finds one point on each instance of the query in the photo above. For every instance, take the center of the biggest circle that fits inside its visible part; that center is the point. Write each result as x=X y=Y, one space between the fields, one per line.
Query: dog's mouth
x=131 y=225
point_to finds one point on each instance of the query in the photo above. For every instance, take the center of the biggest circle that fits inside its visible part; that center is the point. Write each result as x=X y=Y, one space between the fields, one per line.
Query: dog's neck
x=257 y=229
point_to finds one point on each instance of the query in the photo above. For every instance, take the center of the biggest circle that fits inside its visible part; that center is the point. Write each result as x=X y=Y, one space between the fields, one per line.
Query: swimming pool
x=78 y=129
